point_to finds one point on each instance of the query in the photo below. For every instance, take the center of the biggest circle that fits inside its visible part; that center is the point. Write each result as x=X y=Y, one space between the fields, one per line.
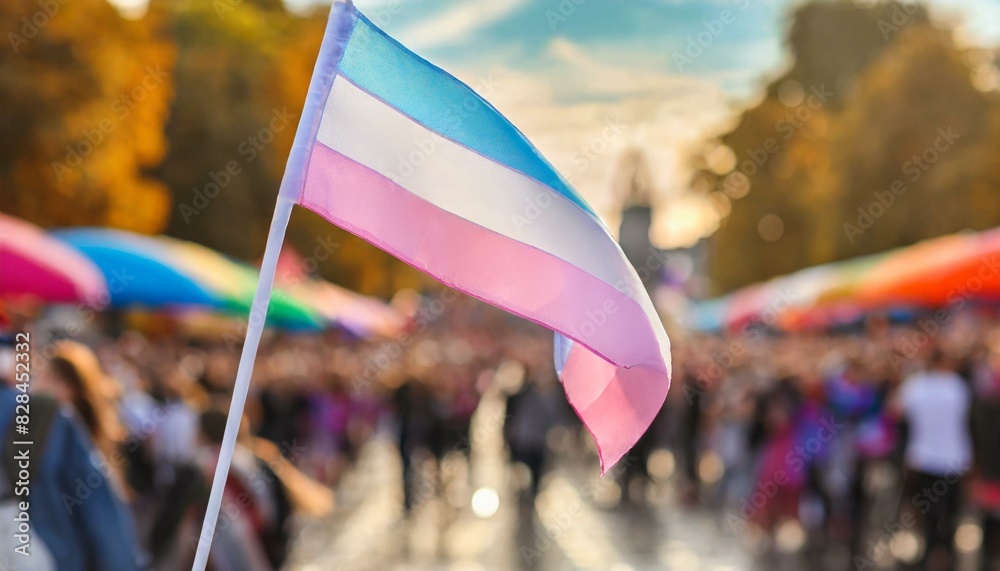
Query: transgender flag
x=404 y=155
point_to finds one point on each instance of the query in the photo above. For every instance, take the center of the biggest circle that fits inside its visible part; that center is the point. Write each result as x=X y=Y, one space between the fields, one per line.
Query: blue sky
x=639 y=34
x=633 y=33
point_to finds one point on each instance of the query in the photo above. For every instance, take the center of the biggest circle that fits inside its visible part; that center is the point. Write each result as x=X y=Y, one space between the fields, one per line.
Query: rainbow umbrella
x=772 y=301
x=360 y=315
x=160 y=272
x=746 y=304
x=933 y=273
x=936 y=272
x=825 y=294
x=845 y=288
x=812 y=296
x=35 y=265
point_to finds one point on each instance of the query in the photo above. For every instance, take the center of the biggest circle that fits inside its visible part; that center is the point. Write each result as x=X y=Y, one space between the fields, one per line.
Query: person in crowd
x=986 y=448
x=262 y=493
x=935 y=403
x=80 y=521
x=818 y=423
x=779 y=473
x=281 y=413
x=531 y=413
x=329 y=416
x=694 y=384
x=75 y=378
x=411 y=401
x=857 y=400
x=734 y=412
x=254 y=509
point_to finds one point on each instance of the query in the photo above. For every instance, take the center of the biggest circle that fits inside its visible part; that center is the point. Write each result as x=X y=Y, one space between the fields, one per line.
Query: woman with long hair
x=75 y=378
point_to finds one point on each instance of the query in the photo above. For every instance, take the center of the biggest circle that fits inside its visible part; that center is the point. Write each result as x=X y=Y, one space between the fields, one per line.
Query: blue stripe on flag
x=429 y=95
x=561 y=347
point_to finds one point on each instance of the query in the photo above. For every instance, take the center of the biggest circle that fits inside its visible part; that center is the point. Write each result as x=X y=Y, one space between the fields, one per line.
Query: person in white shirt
x=935 y=403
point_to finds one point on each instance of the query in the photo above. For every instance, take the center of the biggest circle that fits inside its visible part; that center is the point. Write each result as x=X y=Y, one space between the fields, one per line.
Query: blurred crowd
x=881 y=442
x=146 y=413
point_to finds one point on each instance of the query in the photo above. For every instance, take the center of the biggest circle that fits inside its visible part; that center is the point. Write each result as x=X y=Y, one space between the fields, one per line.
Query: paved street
x=454 y=527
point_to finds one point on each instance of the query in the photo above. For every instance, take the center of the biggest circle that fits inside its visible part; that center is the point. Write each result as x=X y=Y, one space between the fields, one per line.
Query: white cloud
x=458 y=22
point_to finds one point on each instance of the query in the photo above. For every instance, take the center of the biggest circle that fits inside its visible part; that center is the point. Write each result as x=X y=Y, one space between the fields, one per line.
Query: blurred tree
x=242 y=73
x=85 y=94
x=834 y=42
x=868 y=101
x=906 y=153
x=226 y=128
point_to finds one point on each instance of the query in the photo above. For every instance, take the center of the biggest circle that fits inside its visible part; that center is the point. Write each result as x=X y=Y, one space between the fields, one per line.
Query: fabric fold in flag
x=402 y=154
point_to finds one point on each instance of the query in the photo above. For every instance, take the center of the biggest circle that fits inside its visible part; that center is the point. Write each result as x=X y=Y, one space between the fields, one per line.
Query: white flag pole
x=258 y=315
x=337 y=32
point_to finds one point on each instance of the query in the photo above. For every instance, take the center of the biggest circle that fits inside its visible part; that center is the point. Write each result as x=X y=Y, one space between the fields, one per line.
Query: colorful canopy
x=159 y=272
x=811 y=296
x=939 y=272
x=929 y=274
x=37 y=266
x=361 y=316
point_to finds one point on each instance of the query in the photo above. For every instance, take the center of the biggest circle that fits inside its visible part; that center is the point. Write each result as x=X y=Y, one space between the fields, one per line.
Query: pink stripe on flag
x=624 y=409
